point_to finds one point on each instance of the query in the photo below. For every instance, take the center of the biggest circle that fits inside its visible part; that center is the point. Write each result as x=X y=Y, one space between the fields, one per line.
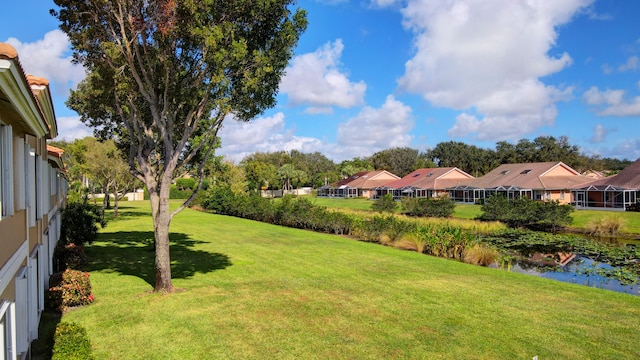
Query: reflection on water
x=582 y=271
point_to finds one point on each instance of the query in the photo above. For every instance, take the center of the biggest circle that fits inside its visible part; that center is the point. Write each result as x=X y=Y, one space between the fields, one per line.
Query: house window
x=6 y=169
x=525 y=171
x=562 y=195
x=7 y=331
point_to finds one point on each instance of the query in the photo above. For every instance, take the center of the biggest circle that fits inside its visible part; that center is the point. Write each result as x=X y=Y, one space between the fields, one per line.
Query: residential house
x=424 y=183
x=538 y=181
x=32 y=193
x=616 y=192
x=362 y=184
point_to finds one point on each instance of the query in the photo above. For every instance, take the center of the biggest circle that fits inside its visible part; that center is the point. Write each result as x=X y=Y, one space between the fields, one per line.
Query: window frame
x=6 y=171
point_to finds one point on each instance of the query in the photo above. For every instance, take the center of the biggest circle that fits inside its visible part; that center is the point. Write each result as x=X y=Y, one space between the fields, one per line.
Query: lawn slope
x=253 y=290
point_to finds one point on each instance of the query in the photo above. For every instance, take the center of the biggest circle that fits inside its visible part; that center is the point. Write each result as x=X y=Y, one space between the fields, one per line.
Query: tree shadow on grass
x=132 y=253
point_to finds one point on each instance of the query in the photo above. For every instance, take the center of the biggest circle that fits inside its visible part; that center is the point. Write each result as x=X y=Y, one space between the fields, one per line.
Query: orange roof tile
x=7 y=51
x=544 y=175
x=430 y=178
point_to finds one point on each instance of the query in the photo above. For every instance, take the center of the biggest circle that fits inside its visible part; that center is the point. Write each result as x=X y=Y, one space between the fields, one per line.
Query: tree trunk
x=161 y=222
x=115 y=205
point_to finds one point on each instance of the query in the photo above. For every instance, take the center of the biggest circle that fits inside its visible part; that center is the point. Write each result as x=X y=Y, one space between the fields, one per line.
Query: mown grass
x=584 y=219
x=340 y=203
x=254 y=290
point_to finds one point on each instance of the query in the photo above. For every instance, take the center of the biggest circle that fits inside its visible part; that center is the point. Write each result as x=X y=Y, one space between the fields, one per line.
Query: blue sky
x=369 y=75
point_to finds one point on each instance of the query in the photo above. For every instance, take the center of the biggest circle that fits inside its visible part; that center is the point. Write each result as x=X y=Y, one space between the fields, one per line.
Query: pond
x=583 y=271
x=612 y=264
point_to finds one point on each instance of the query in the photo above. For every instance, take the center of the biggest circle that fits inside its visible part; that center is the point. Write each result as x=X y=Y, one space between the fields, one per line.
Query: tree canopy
x=163 y=75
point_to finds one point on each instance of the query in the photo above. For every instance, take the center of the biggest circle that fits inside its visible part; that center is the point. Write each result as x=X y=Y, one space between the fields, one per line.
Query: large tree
x=162 y=75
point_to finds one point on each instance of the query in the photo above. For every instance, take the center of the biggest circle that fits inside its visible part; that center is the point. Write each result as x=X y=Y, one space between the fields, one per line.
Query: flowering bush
x=70 y=288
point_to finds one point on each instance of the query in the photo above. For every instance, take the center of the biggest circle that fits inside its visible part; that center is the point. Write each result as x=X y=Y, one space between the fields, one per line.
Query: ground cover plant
x=254 y=290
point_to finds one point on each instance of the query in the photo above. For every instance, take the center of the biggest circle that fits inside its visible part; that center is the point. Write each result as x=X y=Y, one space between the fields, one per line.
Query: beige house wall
x=14 y=230
x=559 y=171
x=27 y=113
x=563 y=196
x=455 y=175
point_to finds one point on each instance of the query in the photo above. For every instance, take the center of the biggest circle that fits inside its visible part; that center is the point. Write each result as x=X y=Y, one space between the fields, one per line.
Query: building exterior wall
x=559 y=171
x=455 y=175
x=26 y=203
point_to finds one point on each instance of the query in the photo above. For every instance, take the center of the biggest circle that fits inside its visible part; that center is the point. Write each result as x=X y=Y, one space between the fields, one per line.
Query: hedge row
x=443 y=241
x=68 y=285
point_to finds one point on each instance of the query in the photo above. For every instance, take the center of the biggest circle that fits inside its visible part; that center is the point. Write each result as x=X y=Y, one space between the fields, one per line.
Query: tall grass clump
x=605 y=227
x=441 y=241
x=481 y=254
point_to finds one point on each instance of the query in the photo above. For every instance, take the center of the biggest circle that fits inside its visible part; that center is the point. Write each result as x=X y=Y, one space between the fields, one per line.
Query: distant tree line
x=295 y=169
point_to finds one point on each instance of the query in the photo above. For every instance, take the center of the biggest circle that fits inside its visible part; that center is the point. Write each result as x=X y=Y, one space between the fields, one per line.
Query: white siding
x=7 y=330
x=30 y=173
x=20 y=176
x=6 y=171
x=22 y=313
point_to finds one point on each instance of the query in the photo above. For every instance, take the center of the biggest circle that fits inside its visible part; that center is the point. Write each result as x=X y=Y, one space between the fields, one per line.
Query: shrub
x=71 y=343
x=441 y=206
x=80 y=223
x=69 y=256
x=69 y=288
x=495 y=208
x=218 y=199
x=186 y=184
x=385 y=204
x=523 y=212
x=395 y=229
x=553 y=215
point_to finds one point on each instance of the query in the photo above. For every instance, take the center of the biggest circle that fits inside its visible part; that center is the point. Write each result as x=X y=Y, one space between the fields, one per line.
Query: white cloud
x=486 y=57
x=71 y=128
x=626 y=149
x=370 y=131
x=383 y=3
x=265 y=134
x=315 y=79
x=50 y=58
x=632 y=64
x=377 y=129
x=607 y=69
x=612 y=102
x=599 y=134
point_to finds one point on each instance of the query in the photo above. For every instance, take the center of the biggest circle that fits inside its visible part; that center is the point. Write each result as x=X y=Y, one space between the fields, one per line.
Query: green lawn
x=340 y=203
x=253 y=290
x=630 y=220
